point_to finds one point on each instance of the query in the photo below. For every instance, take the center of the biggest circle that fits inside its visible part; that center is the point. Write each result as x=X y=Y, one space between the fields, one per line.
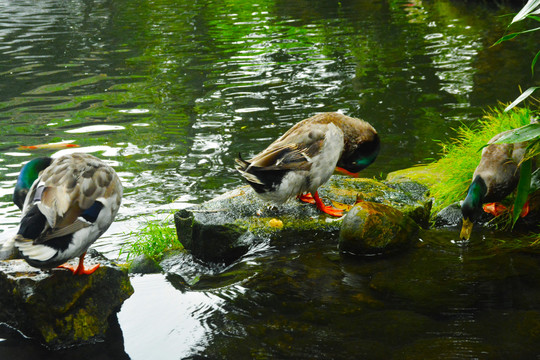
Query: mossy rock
x=59 y=308
x=224 y=228
x=373 y=229
x=425 y=175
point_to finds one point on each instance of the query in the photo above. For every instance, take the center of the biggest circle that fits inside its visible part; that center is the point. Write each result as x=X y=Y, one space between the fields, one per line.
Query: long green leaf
x=534 y=61
x=506 y=37
x=522 y=189
x=522 y=97
x=524 y=133
x=513 y=35
x=531 y=7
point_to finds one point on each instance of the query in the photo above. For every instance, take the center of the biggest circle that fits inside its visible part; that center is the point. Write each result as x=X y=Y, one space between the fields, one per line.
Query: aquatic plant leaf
x=522 y=189
x=522 y=97
x=524 y=133
x=513 y=35
x=534 y=61
x=531 y=7
x=506 y=38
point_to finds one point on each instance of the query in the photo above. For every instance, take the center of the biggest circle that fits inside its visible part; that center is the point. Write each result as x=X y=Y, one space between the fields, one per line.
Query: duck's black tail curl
x=261 y=179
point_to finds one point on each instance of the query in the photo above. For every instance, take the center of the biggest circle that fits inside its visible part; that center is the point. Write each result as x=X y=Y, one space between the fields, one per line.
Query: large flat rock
x=224 y=228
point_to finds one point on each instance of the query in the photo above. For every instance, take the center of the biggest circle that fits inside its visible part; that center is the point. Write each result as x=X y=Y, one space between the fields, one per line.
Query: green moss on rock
x=61 y=309
x=223 y=229
x=372 y=228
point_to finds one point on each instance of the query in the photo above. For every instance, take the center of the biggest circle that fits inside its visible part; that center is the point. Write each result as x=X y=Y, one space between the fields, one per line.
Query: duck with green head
x=67 y=203
x=495 y=177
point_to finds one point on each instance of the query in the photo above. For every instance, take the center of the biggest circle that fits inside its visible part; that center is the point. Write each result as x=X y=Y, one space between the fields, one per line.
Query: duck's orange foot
x=346 y=172
x=495 y=208
x=80 y=270
x=307 y=198
x=330 y=210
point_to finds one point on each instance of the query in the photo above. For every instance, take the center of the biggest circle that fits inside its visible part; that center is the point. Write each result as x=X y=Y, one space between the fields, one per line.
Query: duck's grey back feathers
x=68 y=207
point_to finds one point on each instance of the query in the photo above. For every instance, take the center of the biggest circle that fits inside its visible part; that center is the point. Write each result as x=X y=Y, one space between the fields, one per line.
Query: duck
x=67 y=203
x=305 y=157
x=495 y=177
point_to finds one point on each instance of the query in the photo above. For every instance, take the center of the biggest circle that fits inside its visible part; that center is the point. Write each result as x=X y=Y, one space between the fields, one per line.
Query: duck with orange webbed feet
x=495 y=177
x=304 y=158
x=67 y=203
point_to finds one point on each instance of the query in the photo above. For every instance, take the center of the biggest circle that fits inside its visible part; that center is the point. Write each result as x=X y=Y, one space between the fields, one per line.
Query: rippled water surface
x=169 y=93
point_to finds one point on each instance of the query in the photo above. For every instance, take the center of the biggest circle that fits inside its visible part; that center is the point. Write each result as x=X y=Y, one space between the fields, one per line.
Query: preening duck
x=67 y=203
x=495 y=177
x=305 y=157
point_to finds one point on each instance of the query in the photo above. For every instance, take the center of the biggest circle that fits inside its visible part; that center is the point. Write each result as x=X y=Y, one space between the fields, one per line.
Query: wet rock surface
x=373 y=229
x=58 y=308
x=225 y=228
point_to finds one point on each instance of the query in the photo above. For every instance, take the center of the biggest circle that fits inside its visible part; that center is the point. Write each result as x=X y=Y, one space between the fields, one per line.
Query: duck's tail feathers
x=241 y=164
x=261 y=179
x=33 y=252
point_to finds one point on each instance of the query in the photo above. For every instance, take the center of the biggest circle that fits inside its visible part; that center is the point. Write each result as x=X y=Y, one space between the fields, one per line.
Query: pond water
x=170 y=92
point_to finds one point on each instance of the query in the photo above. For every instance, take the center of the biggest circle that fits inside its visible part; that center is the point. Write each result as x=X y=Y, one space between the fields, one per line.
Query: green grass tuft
x=154 y=238
x=462 y=155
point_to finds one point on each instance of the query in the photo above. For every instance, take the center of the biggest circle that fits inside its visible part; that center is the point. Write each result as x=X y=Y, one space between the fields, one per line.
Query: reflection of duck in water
x=67 y=204
x=305 y=157
x=495 y=177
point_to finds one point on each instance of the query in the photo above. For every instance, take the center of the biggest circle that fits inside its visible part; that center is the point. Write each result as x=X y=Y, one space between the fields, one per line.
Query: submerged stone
x=448 y=217
x=58 y=308
x=144 y=264
x=372 y=229
x=226 y=227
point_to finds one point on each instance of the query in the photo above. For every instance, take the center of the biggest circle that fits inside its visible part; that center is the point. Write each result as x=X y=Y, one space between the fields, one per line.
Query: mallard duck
x=305 y=157
x=67 y=203
x=495 y=177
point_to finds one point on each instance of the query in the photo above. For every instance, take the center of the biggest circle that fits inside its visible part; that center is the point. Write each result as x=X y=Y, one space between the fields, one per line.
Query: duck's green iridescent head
x=29 y=173
x=472 y=206
x=363 y=156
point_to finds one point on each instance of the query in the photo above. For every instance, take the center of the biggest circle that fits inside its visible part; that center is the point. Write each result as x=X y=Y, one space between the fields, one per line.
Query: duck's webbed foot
x=80 y=269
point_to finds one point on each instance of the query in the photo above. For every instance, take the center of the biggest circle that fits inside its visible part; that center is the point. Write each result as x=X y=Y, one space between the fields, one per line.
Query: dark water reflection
x=168 y=93
x=438 y=301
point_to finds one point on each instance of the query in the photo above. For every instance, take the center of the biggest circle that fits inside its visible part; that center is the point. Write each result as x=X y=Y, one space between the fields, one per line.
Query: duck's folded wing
x=287 y=156
x=69 y=193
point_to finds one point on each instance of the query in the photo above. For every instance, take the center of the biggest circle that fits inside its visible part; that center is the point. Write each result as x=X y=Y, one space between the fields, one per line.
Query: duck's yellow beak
x=466 y=229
